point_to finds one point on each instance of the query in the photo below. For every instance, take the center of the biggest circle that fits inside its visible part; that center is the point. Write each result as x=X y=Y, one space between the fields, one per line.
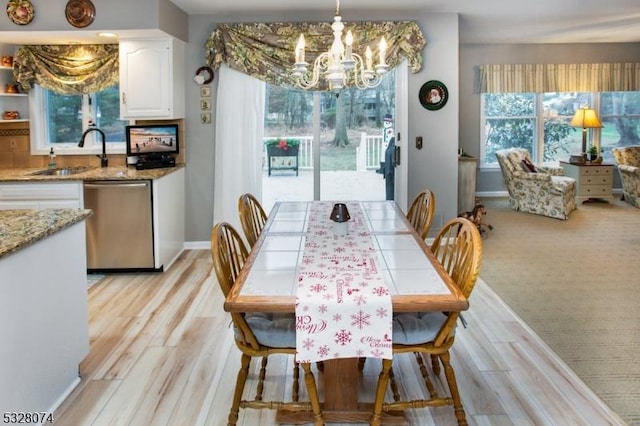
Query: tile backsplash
x=15 y=150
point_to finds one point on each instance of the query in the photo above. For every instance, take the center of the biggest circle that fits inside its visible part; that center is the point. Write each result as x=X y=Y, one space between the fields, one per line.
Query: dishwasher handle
x=117 y=185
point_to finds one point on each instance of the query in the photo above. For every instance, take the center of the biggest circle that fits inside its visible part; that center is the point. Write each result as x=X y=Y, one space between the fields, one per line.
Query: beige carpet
x=576 y=283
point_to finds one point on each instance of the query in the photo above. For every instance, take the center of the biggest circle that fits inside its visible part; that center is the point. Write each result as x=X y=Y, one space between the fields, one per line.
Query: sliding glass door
x=322 y=145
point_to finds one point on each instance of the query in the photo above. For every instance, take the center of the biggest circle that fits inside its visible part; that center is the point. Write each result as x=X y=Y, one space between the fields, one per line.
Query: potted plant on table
x=283 y=146
x=280 y=148
x=593 y=153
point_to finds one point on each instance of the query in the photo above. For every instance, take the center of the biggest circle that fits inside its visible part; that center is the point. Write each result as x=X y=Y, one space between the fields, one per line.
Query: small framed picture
x=205 y=118
x=433 y=95
x=205 y=104
x=205 y=92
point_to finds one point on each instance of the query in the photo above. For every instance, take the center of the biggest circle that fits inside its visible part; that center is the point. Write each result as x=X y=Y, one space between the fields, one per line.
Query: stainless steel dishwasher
x=120 y=231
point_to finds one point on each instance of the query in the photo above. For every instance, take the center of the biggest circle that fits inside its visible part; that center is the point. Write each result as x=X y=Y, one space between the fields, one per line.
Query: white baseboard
x=197 y=245
x=492 y=194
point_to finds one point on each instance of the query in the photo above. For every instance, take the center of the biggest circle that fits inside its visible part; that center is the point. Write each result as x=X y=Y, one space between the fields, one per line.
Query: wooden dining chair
x=458 y=247
x=258 y=334
x=252 y=217
x=420 y=213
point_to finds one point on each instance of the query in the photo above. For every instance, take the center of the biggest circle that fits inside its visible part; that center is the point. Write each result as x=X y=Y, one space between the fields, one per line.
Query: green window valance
x=544 y=78
x=69 y=70
x=266 y=50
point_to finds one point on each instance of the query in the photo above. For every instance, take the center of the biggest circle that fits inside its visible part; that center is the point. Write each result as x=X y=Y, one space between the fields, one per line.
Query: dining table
x=374 y=257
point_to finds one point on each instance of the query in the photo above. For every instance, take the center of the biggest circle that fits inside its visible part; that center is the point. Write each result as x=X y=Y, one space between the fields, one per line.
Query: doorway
x=340 y=141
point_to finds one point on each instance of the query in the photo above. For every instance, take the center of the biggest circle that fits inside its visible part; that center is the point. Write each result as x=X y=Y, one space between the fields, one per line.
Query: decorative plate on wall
x=433 y=95
x=80 y=13
x=20 y=12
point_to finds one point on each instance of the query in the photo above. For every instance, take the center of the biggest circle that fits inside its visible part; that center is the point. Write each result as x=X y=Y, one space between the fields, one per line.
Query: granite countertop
x=21 y=228
x=91 y=174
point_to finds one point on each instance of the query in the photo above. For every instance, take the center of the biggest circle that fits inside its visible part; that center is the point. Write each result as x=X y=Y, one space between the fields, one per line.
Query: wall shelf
x=20 y=120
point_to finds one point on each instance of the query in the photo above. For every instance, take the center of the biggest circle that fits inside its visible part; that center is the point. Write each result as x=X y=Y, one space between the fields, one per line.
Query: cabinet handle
x=124 y=98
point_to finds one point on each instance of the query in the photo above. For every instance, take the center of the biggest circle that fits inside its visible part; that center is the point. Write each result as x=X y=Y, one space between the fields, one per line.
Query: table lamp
x=586 y=118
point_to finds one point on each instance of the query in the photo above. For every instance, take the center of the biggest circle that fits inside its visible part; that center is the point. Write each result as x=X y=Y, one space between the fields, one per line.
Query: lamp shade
x=586 y=118
x=339 y=213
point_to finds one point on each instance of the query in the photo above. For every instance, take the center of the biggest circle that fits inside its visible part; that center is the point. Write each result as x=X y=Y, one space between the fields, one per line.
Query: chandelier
x=339 y=65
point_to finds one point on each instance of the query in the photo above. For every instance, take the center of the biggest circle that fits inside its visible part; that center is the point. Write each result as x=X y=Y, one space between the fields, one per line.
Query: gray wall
x=111 y=15
x=490 y=180
x=434 y=167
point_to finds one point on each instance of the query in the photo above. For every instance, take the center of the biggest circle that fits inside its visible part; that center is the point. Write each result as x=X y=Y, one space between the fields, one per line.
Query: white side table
x=594 y=181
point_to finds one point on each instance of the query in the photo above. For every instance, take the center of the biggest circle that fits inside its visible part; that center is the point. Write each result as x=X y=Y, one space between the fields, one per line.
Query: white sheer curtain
x=238 y=143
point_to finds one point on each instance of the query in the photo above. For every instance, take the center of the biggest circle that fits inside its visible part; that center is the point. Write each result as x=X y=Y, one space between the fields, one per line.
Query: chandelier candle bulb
x=383 y=51
x=368 y=56
x=300 y=49
x=349 y=41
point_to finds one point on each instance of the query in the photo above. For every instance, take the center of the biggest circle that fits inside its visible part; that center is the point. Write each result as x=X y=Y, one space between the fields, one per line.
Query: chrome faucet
x=104 y=162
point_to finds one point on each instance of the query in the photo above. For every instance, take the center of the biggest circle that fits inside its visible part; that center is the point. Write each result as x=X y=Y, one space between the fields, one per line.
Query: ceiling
x=481 y=21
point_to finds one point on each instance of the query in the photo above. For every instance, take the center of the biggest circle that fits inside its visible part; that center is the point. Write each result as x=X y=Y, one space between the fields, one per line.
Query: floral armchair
x=536 y=189
x=628 y=161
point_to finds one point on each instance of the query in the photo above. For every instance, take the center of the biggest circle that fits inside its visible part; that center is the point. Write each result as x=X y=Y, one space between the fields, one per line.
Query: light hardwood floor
x=162 y=353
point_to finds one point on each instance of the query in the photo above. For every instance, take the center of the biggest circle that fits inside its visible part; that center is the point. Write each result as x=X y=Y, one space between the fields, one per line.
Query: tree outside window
x=68 y=116
x=539 y=122
x=508 y=121
x=620 y=116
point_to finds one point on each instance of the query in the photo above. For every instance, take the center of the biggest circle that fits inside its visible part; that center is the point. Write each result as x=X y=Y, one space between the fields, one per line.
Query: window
x=560 y=139
x=620 y=116
x=60 y=120
x=509 y=120
x=539 y=122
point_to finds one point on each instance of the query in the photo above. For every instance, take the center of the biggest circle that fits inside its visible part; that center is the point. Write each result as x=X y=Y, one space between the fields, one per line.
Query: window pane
x=509 y=121
x=620 y=115
x=64 y=117
x=107 y=114
x=505 y=123
x=560 y=139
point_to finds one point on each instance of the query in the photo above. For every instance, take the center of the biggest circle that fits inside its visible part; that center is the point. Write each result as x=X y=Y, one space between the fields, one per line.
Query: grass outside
x=334 y=158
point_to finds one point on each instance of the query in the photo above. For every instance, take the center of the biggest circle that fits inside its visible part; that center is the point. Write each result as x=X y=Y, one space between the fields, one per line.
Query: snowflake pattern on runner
x=361 y=320
x=343 y=304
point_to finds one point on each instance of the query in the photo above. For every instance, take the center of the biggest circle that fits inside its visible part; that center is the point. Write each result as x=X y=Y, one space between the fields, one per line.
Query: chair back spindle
x=252 y=217
x=420 y=213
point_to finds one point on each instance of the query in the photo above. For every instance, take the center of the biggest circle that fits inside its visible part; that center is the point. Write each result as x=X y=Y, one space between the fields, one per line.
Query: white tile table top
x=407 y=269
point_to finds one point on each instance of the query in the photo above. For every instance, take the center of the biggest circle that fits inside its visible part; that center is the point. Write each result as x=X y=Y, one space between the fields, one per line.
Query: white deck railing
x=366 y=159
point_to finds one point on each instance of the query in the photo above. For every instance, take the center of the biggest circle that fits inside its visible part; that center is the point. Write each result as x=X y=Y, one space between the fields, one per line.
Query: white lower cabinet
x=41 y=195
x=168 y=218
x=167 y=208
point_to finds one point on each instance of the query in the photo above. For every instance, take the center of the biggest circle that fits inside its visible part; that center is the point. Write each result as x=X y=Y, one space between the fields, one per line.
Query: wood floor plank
x=130 y=395
x=167 y=346
x=202 y=374
x=87 y=404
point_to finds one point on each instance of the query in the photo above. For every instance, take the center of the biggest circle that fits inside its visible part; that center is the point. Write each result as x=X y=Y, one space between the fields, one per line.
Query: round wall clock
x=20 y=12
x=80 y=13
x=433 y=95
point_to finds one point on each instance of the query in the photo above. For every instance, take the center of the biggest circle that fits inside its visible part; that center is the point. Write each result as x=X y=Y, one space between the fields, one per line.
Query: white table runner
x=343 y=306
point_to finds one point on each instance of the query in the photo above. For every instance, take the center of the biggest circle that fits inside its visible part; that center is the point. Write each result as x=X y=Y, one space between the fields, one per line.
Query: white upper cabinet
x=152 y=78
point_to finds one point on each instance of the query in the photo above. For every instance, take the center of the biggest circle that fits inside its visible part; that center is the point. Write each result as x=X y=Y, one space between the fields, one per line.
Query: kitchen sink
x=64 y=171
